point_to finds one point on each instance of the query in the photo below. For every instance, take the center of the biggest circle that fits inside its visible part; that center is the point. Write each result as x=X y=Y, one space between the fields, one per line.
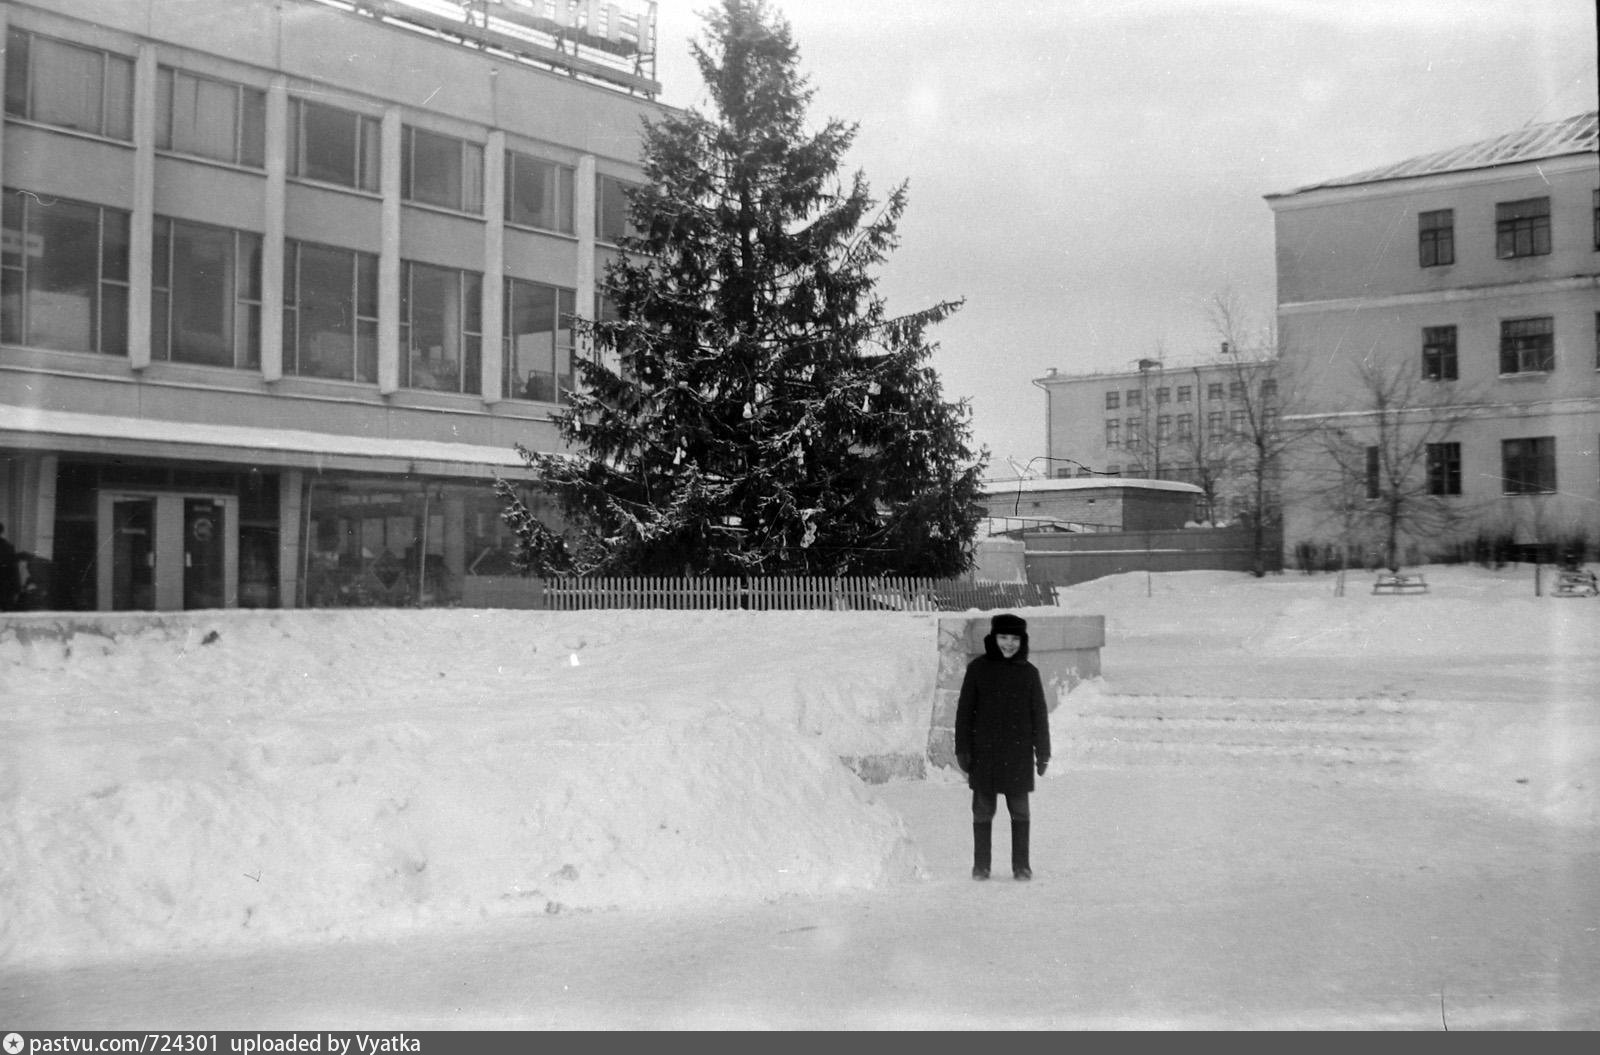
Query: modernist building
x=1465 y=285
x=1162 y=421
x=285 y=281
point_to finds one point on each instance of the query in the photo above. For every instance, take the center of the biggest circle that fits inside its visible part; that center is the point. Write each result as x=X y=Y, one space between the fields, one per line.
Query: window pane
x=530 y=334
x=67 y=83
x=327 y=323
x=253 y=128
x=204 y=118
x=328 y=144
x=119 y=98
x=63 y=278
x=17 y=73
x=433 y=308
x=202 y=294
x=435 y=169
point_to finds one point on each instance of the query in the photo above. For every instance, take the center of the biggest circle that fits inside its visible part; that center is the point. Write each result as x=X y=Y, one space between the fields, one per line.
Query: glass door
x=132 y=554
x=204 y=524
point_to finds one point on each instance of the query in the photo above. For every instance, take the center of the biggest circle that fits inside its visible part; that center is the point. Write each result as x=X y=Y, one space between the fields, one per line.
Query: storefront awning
x=68 y=432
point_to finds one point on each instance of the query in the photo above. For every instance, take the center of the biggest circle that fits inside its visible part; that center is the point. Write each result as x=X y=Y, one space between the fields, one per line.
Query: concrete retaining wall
x=1065 y=648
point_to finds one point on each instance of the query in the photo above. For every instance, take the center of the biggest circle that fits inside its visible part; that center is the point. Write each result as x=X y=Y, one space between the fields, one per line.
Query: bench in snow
x=1400 y=584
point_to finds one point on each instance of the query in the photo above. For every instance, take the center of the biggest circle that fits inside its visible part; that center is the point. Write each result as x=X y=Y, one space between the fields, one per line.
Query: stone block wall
x=1065 y=648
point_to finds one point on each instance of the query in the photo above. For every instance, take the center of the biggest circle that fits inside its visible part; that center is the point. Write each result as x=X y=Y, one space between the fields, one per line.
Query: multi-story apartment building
x=1438 y=323
x=1164 y=421
x=284 y=281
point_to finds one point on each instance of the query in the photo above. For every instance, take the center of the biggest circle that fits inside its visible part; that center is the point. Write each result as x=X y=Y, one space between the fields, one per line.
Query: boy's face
x=1008 y=644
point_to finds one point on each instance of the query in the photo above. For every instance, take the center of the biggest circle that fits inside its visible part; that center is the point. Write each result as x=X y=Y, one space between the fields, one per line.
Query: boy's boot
x=981 y=831
x=1019 y=850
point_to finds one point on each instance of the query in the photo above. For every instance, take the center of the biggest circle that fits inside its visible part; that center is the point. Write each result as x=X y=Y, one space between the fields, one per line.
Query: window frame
x=366 y=147
x=1439 y=353
x=362 y=293
x=1522 y=228
x=1114 y=400
x=1113 y=432
x=241 y=305
x=1537 y=345
x=565 y=303
x=249 y=118
x=1215 y=391
x=1443 y=462
x=23 y=70
x=609 y=227
x=466 y=194
x=468 y=339
x=108 y=328
x=1436 y=238
x=564 y=178
x=1528 y=465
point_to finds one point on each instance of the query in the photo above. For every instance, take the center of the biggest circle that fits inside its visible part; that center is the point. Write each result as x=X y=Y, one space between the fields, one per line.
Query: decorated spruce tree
x=751 y=407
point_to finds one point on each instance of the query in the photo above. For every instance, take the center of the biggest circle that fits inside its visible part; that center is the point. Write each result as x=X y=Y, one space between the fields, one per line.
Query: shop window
x=1528 y=466
x=539 y=342
x=69 y=86
x=441 y=329
x=330 y=325
x=1444 y=468
x=210 y=118
x=441 y=170
x=1439 y=353
x=538 y=193
x=1436 y=238
x=333 y=145
x=1527 y=346
x=1522 y=228
x=63 y=274
x=205 y=295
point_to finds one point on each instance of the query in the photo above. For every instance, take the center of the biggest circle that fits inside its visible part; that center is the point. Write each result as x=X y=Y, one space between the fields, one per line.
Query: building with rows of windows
x=1164 y=421
x=283 y=283
x=1439 y=327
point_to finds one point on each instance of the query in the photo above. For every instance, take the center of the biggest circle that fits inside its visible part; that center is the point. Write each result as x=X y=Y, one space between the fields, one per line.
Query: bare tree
x=1387 y=461
x=1249 y=461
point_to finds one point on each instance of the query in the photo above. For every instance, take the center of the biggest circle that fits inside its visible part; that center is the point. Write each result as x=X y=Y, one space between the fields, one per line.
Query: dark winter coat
x=1002 y=721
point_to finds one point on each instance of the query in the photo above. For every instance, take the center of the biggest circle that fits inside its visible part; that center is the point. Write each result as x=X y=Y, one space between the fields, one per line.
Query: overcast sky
x=1089 y=174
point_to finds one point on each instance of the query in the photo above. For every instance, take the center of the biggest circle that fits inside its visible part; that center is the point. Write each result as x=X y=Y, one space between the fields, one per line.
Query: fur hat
x=1007 y=623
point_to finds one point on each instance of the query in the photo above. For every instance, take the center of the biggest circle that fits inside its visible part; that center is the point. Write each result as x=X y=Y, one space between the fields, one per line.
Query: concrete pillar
x=291 y=529
x=389 y=257
x=276 y=196
x=141 y=232
x=494 y=265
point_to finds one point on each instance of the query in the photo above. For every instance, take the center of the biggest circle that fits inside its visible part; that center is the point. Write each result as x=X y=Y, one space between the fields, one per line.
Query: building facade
x=1439 y=325
x=1160 y=421
x=284 y=283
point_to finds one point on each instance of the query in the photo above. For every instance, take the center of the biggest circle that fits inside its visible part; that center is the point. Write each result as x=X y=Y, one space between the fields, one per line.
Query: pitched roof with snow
x=1572 y=135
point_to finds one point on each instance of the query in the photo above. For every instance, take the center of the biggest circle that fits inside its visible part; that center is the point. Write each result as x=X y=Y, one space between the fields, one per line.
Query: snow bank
x=228 y=778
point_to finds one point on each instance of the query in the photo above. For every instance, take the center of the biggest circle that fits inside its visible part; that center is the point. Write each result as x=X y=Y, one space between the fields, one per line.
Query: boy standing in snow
x=1002 y=738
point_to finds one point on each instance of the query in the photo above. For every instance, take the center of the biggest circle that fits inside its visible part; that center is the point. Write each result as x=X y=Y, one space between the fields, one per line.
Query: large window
x=1436 y=238
x=441 y=170
x=206 y=295
x=1444 y=468
x=1439 y=353
x=1185 y=393
x=1113 y=400
x=1214 y=424
x=1214 y=390
x=441 y=329
x=612 y=221
x=63 y=274
x=1133 y=434
x=61 y=84
x=1164 y=428
x=1522 y=228
x=1113 y=432
x=538 y=341
x=1130 y=399
x=210 y=119
x=330 y=313
x=538 y=193
x=1528 y=466
x=1527 y=345
x=333 y=145
x=1185 y=427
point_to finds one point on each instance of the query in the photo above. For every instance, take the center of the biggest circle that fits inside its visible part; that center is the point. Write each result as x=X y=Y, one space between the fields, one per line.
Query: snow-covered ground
x=1279 y=806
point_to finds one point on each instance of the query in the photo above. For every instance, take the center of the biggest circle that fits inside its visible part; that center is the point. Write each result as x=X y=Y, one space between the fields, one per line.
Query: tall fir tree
x=751 y=408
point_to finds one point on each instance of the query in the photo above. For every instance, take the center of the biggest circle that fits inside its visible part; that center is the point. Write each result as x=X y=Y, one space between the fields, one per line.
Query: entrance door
x=167 y=552
x=132 y=554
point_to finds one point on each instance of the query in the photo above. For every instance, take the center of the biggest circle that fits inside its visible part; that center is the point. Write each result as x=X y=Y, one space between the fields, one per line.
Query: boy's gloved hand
x=1044 y=763
x=964 y=760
